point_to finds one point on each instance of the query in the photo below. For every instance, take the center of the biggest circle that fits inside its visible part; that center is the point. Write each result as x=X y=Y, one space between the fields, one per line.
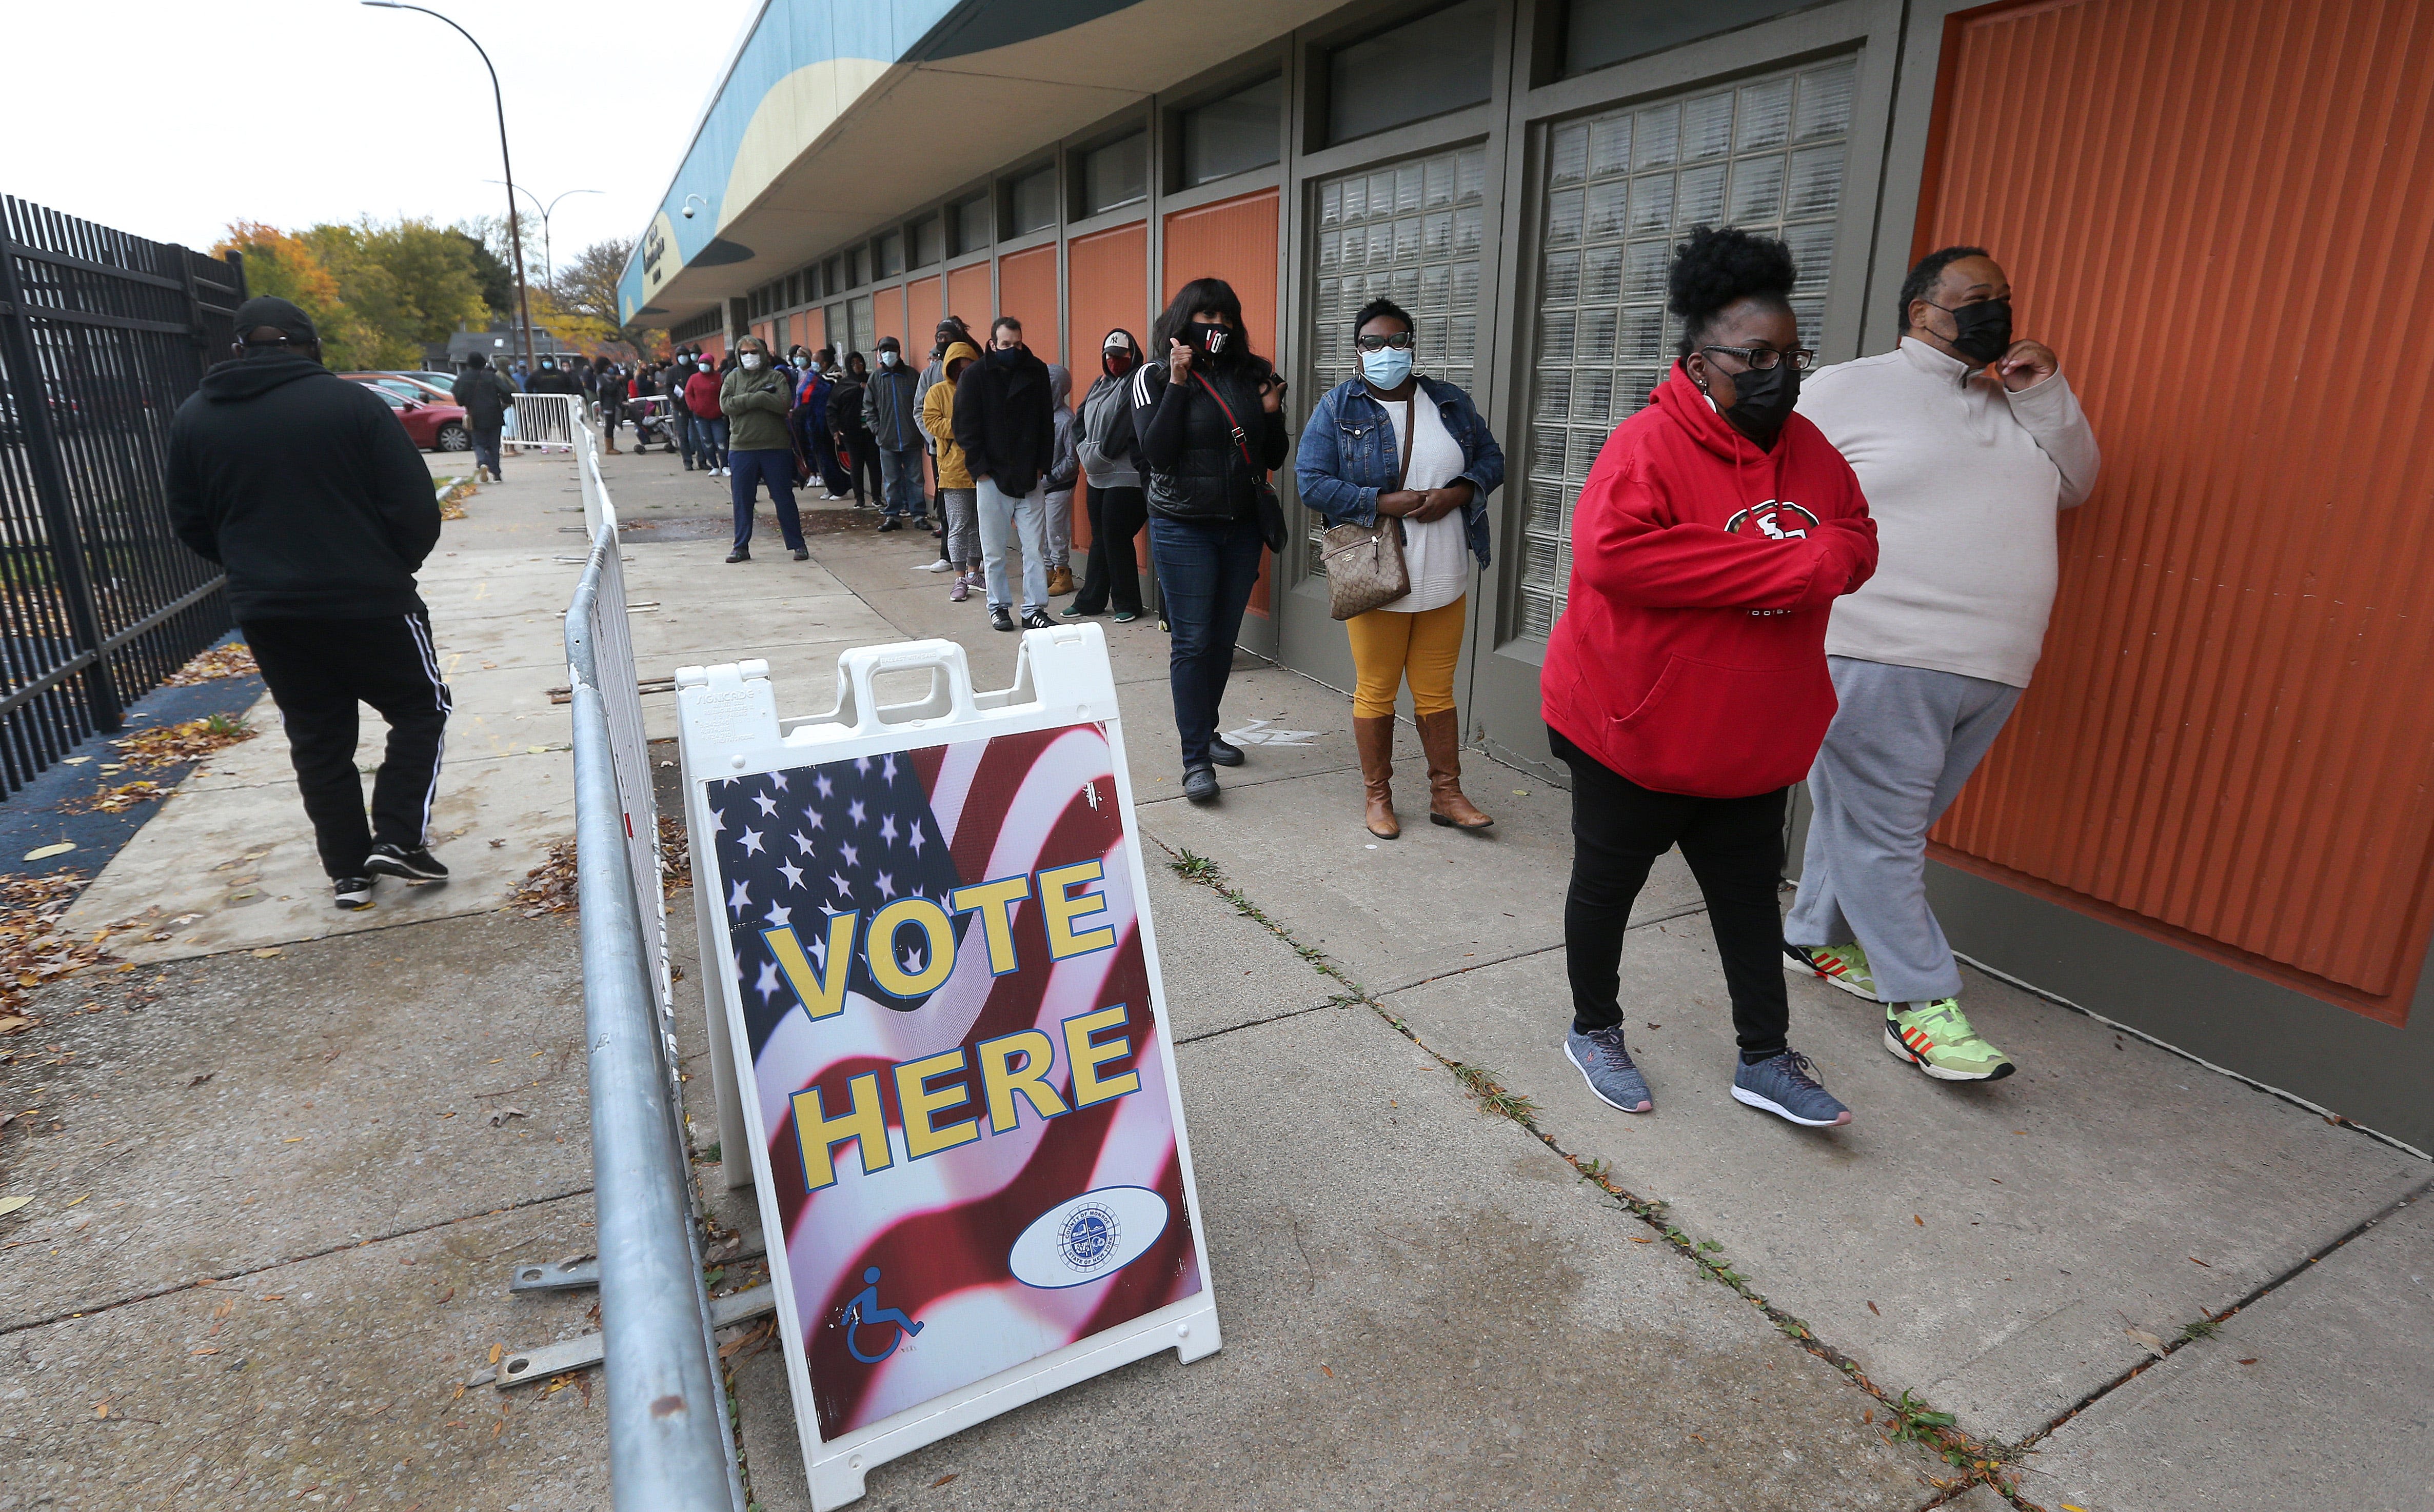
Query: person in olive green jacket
x=755 y=398
x=958 y=501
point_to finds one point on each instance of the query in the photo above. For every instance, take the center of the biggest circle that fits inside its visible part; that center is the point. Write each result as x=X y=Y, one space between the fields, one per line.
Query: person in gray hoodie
x=893 y=414
x=1115 y=503
x=1063 y=470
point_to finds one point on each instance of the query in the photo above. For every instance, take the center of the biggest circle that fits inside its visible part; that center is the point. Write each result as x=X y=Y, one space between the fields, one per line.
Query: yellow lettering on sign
x=822 y=992
x=818 y=1135
x=922 y=1135
x=1001 y=1083
x=936 y=955
x=994 y=901
x=1084 y=1056
x=1064 y=911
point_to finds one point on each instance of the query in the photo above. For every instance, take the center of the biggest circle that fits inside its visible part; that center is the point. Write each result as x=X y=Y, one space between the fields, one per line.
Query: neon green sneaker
x=1936 y=1037
x=1843 y=966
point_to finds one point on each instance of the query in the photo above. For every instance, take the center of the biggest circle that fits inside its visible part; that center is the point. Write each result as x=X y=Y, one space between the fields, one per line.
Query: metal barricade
x=670 y=1445
x=548 y=421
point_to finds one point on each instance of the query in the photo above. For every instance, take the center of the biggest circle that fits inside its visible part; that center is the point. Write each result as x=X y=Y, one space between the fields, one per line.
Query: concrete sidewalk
x=1438 y=1311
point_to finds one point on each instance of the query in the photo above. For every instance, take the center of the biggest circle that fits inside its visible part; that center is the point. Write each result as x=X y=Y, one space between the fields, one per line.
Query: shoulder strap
x=1410 y=428
x=1240 y=439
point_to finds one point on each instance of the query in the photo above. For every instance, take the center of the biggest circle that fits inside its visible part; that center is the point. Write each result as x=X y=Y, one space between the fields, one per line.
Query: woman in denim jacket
x=1347 y=469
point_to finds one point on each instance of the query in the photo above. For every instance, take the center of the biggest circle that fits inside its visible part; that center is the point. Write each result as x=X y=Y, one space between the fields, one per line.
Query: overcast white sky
x=160 y=132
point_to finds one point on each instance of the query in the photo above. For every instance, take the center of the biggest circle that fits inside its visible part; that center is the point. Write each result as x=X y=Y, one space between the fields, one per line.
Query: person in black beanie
x=306 y=488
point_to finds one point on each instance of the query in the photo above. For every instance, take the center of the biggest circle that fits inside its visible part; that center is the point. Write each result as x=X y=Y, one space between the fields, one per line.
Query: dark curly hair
x=1925 y=273
x=1718 y=267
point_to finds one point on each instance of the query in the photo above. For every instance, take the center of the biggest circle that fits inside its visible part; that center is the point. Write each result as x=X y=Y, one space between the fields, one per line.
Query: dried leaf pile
x=451 y=504
x=190 y=741
x=550 y=888
x=116 y=799
x=32 y=952
x=234 y=660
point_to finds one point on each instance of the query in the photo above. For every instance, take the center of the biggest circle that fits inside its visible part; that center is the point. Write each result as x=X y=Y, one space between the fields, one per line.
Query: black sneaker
x=1000 y=620
x=802 y=554
x=739 y=555
x=354 y=893
x=1037 y=619
x=392 y=860
x=1200 y=784
x=891 y=523
x=1225 y=752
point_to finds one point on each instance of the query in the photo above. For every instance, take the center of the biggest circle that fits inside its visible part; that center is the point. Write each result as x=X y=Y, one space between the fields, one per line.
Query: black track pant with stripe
x=317 y=670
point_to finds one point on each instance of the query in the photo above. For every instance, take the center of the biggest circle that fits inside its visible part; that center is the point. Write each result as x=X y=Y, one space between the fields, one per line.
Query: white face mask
x=705 y=366
x=752 y=361
x=887 y=360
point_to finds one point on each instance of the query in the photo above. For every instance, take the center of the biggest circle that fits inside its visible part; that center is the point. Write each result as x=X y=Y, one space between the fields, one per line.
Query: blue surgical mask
x=1386 y=368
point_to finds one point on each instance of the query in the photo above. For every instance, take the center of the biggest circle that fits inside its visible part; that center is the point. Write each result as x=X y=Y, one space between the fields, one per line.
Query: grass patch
x=1492 y=1095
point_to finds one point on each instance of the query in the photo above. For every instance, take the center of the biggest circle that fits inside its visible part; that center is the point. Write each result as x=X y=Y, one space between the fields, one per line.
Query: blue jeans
x=1013 y=520
x=776 y=469
x=900 y=480
x=486 y=449
x=710 y=440
x=1206 y=572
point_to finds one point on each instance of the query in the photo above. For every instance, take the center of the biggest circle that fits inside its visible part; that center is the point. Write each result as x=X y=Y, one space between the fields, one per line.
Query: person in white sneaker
x=1968 y=443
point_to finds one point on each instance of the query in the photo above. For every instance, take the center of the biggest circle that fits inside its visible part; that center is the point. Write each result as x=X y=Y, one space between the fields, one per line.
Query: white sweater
x=1964 y=479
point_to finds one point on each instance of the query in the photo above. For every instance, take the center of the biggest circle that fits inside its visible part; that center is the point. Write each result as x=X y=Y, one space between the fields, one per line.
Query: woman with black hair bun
x=1209 y=415
x=1686 y=685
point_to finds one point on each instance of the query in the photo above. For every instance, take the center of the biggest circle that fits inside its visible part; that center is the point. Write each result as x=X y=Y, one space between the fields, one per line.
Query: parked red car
x=434 y=427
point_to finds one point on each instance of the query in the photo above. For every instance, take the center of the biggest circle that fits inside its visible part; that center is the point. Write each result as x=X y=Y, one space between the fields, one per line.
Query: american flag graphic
x=798 y=846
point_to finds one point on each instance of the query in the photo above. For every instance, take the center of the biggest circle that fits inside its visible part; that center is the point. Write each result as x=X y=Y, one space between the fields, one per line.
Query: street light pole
x=514 y=233
x=548 y=257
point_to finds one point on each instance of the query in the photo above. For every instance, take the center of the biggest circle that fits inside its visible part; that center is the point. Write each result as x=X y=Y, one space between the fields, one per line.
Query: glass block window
x=1410 y=232
x=1620 y=190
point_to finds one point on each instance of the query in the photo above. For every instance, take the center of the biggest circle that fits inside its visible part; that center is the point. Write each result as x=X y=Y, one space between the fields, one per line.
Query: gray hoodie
x=1064 y=467
x=1107 y=447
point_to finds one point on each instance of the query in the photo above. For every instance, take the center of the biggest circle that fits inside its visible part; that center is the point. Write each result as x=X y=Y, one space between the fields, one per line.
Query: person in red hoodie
x=709 y=421
x=1686 y=685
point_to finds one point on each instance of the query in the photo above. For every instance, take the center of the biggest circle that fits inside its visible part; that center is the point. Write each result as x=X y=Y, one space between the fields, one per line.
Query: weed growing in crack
x=1492 y=1095
x=1194 y=868
x=2202 y=1329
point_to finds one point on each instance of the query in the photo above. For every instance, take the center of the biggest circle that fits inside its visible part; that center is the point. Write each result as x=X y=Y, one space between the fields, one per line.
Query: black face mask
x=1762 y=401
x=1983 y=331
x=1215 y=340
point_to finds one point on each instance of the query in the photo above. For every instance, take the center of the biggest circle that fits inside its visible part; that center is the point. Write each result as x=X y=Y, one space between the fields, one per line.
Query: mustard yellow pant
x=1389 y=646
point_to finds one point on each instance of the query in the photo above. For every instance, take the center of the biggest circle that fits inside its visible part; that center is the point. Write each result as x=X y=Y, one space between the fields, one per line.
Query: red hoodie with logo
x=1690 y=657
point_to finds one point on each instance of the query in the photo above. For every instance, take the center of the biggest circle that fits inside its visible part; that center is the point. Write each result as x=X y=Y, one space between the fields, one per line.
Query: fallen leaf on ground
x=1638 y=1240
x=2194 y=1261
x=944 y=1479
x=2250 y=1360
x=12 y=1204
x=267 y=952
x=204 y=1077
x=44 y=852
x=496 y=1350
x=1916 y=1219
x=1873 y=1307
x=115 y=799
x=15 y=1023
x=73 y=1201
x=505 y=1113
x=2147 y=1341
x=186 y=742
x=231 y=660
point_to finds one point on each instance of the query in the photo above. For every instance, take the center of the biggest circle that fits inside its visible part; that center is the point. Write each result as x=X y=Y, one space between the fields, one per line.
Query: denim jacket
x=1348 y=455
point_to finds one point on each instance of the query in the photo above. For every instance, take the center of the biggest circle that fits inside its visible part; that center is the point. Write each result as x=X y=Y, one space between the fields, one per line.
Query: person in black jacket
x=485 y=396
x=1008 y=435
x=1210 y=417
x=609 y=387
x=306 y=488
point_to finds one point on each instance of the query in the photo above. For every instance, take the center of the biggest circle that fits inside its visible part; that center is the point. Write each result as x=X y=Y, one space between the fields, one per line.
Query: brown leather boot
x=1441 y=737
x=1375 y=740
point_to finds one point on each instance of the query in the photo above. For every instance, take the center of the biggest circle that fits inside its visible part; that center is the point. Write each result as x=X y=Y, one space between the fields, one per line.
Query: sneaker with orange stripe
x=1843 y=966
x=1936 y=1037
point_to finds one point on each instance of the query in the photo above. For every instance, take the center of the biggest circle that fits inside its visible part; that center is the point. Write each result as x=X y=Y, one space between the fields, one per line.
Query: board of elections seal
x=1088 y=1238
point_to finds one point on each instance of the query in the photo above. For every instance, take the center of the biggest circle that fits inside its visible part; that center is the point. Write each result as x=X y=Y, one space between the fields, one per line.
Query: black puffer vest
x=1211 y=480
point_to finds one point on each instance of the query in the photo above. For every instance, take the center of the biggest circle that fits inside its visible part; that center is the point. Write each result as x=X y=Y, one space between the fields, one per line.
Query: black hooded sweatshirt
x=1003 y=421
x=306 y=487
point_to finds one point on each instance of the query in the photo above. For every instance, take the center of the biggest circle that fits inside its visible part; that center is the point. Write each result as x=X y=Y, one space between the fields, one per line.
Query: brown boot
x=1441 y=737
x=1060 y=581
x=1375 y=740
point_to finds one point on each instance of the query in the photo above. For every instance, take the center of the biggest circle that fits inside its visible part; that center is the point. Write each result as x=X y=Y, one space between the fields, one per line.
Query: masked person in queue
x=958 y=501
x=1209 y=414
x=1969 y=443
x=708 y=421
x=891 y=418
x=610 y=388
x=1684 y=684
x=1393 y=444
x=553 y=379
x=1113 y=501
x=755 y=403
x=487 y=398
x=306 y=488
x=1001 y=423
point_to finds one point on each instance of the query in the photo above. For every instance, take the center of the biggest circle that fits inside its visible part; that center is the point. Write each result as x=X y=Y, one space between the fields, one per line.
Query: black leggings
x=1735 y=847
x=1117 y=516
x=864 y=450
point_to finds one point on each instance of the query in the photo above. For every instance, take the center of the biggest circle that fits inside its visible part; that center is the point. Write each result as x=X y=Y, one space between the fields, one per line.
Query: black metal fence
x=102 y=335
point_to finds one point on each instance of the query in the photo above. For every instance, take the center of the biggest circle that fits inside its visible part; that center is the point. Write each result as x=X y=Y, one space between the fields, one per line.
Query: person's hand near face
x=2027 y=365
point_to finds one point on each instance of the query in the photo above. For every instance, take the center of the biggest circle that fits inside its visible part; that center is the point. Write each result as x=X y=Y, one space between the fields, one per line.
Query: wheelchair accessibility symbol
x=864 y=1312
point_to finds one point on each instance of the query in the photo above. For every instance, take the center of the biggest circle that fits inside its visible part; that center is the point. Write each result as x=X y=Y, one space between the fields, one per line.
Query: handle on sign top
x=859 y=670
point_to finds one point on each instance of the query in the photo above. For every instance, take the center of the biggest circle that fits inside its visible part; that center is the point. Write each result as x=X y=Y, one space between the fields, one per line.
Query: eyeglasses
x=1399 y=340
x=1762 y=358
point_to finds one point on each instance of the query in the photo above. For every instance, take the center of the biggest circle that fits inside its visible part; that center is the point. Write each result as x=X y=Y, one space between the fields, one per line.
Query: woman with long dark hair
x=1209 y=414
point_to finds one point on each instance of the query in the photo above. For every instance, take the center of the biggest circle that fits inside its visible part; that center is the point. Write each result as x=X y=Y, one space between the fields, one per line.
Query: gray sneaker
x=1786 y=1086
x=1606 y=1065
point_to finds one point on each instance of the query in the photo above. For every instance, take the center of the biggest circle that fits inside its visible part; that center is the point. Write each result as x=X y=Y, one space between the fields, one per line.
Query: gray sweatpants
x=1901 y=745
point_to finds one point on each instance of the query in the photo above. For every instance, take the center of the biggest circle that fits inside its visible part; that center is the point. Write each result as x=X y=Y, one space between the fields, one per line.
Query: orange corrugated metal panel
x=1026 y=289
x=1106 y=278
x=969 y=297
x=2219 y=213
x=887 y=316
x=922 y=312
x=1235 y=240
